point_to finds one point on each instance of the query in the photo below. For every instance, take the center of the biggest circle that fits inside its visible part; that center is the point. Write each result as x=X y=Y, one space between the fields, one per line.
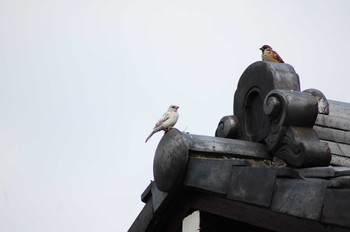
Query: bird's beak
x=261 y=49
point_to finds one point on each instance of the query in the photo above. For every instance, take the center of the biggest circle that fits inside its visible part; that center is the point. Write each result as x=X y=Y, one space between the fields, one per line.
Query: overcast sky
x=83 y=82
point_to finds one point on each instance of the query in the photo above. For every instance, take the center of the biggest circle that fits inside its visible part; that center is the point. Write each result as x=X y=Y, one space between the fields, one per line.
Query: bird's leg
x=167 y=129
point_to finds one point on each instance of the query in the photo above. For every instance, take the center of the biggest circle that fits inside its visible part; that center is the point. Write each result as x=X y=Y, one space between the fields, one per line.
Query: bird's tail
x=150 y=136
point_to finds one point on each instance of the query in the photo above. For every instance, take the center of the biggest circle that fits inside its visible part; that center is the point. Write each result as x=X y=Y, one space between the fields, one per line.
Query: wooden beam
x=258 y=216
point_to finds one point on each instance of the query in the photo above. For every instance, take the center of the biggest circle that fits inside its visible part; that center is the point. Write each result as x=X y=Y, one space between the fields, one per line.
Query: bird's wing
x=165 y=117
x=277 y=57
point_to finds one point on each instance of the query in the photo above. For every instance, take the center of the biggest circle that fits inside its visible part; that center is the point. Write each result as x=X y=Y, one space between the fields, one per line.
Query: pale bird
x=167 y=121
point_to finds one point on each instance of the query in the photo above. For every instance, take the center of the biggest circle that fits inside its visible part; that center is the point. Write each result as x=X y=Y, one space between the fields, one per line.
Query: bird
x=270 y=55
x=167 y=121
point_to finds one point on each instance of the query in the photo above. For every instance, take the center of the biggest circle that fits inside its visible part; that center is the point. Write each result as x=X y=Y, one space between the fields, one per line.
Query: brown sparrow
x=270 y=55
x=166 y=122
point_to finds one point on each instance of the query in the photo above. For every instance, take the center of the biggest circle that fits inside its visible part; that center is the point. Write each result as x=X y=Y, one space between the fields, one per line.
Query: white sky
x=83 y=82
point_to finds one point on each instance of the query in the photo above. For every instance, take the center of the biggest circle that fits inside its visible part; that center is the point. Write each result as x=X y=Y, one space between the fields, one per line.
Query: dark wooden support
x=144 y=219
x=213 y=223
x=258 y=216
